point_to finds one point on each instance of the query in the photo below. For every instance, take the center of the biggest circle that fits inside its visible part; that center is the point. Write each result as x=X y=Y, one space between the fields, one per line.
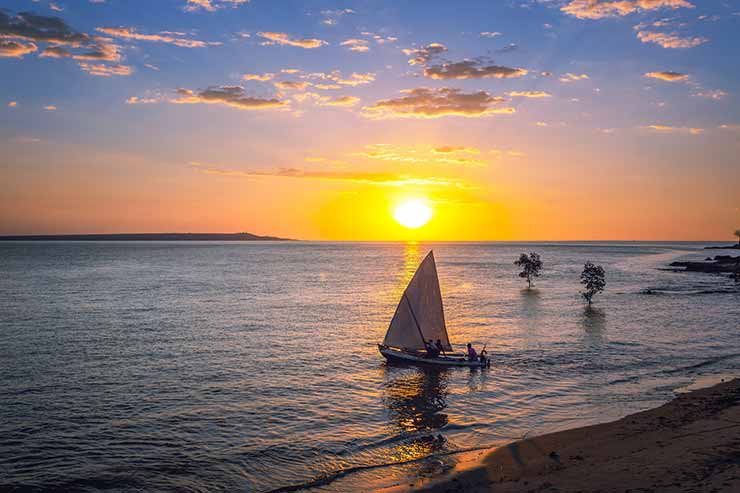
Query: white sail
x=419 y=315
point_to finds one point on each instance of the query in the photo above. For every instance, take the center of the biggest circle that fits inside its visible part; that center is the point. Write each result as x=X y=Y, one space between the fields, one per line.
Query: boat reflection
x=416 y=399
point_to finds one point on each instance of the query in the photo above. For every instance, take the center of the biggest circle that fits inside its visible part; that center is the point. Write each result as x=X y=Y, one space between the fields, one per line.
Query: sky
x=510 y=120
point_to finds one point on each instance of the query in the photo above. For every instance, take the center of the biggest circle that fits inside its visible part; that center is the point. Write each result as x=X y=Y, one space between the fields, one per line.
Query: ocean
x=253 y=366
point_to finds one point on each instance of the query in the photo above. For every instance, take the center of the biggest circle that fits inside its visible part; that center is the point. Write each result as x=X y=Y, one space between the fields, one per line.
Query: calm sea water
x=254 y=366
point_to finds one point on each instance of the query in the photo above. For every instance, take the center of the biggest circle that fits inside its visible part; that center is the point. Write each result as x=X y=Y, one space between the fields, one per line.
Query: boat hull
x=398 y=356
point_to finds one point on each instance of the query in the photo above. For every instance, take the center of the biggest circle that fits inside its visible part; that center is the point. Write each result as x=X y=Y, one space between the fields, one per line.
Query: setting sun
x=413 y=213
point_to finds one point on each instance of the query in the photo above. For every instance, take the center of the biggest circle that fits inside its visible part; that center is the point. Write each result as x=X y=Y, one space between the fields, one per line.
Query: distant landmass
x=147 y=237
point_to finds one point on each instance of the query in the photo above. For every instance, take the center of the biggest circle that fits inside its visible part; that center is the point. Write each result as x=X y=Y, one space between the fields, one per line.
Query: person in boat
x=472 y=354
x=432 y=350
x=440 y=347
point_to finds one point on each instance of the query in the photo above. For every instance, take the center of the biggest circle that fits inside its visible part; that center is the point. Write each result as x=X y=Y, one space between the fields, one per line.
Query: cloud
x=380 y=39
x=233 y=96
x=715 y=94
x=331 y=16
x=668 y=76
x=355 y=79
x=370 y=178
x=529 y=94
x=138 y=100
x=40 y=28
x=15 y=49
x=163 y=37
x=50 y=107
x=667 y=129
x=470 y=69
x=356 y=44
x=102 y=70
x=292 y=85
x=445 y=155
x=344 y=101
x=730 y=126
x=423 y=102
x=258 y=77
x=490 y=34
x=420 y=56
x=55 y=7
x=285 y=39
x=450 y=149
x=12 y=104
x=573 y=77
x=598 y=9
x=211 y=5
x=670 y=40
x=509 y=47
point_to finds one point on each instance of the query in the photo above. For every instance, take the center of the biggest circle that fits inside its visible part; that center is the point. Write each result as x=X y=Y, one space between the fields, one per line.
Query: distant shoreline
x=147 y=237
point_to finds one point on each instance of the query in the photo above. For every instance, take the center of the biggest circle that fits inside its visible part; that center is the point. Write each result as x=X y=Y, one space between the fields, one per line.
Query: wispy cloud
x=169 y=37
x=259 y=77
x=529 y=94
x=668 y=76
x=102 y=70
x=285 y=39
x=331 y=17
x=670 y=40
x=667 y=129
x=573 y=77
x=715 y=94
x=356 y=44
x=370 y=178
x=211 y=5
x=424 y=102
x=490 y=34
x=598 y=9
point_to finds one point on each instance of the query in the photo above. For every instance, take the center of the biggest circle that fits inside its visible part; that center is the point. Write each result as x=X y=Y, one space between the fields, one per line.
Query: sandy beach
x=689 y=444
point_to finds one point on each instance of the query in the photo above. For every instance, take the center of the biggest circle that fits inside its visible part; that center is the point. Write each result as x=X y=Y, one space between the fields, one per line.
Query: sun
x=413 y=213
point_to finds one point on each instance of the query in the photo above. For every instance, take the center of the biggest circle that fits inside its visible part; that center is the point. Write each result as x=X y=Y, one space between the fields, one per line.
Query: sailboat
x=420 y=317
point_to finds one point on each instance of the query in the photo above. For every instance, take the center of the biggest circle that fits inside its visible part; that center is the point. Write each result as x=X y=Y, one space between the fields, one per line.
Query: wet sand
x=689 y=444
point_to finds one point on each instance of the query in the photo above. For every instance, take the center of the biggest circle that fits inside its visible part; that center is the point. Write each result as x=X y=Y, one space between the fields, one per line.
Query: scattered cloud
x=50 y=107
x=258 y=77
x=233 y=96
x=337 y=80
x=356 y=44
x=715 y=94
x=670 y=40
x=169 y=37
x=291 y=85
x=529 y=94
x=16 y=49
x=490 y=34
x=509 y=47
x=420 y=56
x=598 y=9
x=331 y=17
x=12 y=104
x=424 y=102
x=667 y=129
x=138 y=100
x=470 y=69
x=40 y=28
x=668 y=76
x=211 y=5
x=379 y=39
x=344 y=101
x=573 y=77
x=55 y=7
x=285 y=39
x=102 y=70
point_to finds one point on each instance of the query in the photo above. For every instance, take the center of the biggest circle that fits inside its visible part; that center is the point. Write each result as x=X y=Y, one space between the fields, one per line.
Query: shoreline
x=691 y=443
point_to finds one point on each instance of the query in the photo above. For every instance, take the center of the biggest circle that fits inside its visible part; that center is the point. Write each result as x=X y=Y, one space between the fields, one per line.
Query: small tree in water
x=593 y=279
x=531 y=266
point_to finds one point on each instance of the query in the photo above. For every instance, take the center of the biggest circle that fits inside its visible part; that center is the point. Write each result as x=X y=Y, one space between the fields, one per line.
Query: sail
x=419 y=315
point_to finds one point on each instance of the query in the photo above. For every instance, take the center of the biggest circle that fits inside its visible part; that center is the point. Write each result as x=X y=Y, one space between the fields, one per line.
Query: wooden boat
x=420 y=317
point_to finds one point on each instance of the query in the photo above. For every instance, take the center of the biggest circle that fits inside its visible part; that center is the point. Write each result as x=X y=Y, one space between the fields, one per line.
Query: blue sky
x=558 y=96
